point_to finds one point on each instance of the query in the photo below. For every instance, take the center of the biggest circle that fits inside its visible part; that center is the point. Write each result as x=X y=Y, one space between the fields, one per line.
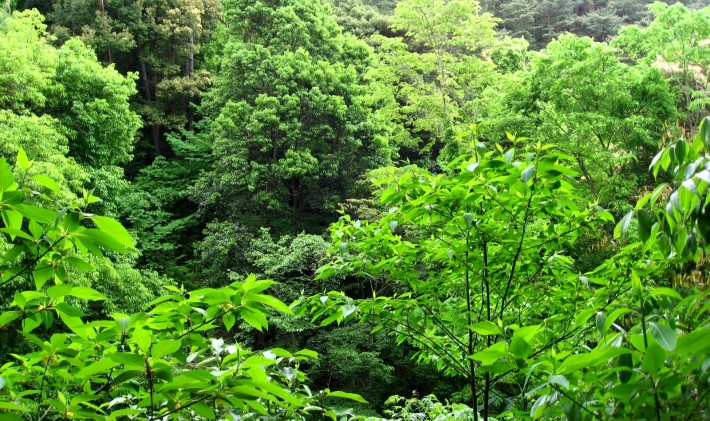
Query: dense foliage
x=476 y=210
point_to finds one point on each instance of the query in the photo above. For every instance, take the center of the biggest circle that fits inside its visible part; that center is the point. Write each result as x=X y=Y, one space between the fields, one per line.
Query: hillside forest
x=354 y=210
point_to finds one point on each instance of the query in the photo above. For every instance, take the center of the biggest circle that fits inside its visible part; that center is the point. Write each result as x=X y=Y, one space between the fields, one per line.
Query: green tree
x=292 y=130
x=160 y=40
x=455 y=263
x=610 y=125
x=146 y=365
x=435 y=73
x=676 y=43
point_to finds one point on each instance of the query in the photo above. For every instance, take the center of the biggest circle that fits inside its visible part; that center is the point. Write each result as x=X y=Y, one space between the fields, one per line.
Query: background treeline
x=227 y=136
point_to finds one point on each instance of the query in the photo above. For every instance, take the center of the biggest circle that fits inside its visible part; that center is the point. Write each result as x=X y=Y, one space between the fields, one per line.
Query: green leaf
x=22 y=161
x=558 y=379
x=128 y=359
x=491 y=354
x=625 y=363
x=79 y=264
x=527 y=174
x=654 y=359
x=59 y=290
x=96 y=367
x=519 y=347
x=69 y=310
x=42 y=275
x=96 y=237
x=681 y=149
x=623 y=225
x=229 y=320
x=348 y=310
x=8 y=317
x=665 y=336
x=14 y=252
x=601 y=323
x=165 y=347
x=87 y=293
x=255 y=319
x=7 y=179
x=41 y=215
x=668 y=292
x=9 y=406
x=125 y=375
x=486 y=328
x=47 y=182
x=204 y=410
x=273 y=302
x=704 y=132
x=307 y=353
x=114 y=229
x=352 y=396
x=646 y=221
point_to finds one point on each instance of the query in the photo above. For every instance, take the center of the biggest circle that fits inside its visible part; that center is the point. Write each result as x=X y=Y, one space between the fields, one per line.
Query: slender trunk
x=102 y=9
x=155 y=127
x=472 y=366
x=487 y=388
x=190 y=69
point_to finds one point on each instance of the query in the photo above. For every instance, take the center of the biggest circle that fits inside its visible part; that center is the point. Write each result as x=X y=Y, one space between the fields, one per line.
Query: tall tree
x=436 y=69
x=677 y=43
x=157 y=39
x=606 y=114
x=292 y=130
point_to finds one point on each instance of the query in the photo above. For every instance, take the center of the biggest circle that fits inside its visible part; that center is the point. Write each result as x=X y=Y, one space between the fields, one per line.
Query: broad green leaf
x=624 y=362
x=558 y=379
x=681 y=149
x=307 y=353
x=491 y=354
x=255 y=319
x=42 y=275
x=623 y=225
x=527 y=173
x=273 y=302
x=100 y=238
x=128 y=359
x=114 y=229
x=59 y=290
x=486 y=328
x=165 y=347
x=69 y=310
x=348 y=310
x=229 y=320
x=654 y=359
x=40 y=215
x=204 y=410
x=47 y=182
x=9 y=406
x=665 y=336
x=704 y=132
x=78 y=263
x=14 y=252
x=8 y=317
x=7 y=179
x=86 y=293
x=646 y=220
x=662 y=291
x=22 y=161
x=352 y=396
x=96 y=367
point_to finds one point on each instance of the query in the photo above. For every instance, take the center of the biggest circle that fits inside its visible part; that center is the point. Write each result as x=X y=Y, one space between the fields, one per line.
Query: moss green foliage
x=292 y=131
x=606 y=114
x=675 y=42
x=518 y=201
